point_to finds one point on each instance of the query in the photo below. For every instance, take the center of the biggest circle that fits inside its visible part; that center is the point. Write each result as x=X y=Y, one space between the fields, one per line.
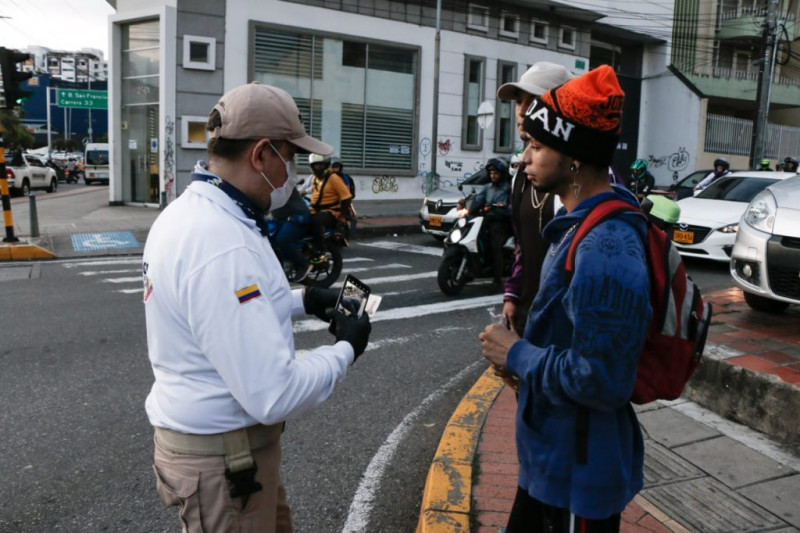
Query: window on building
x=199 y=53
x=358 y=96
x=509 y=25
x=566 y=37
x=478 y=17
x=471 y=134
x=539 y=31
x=506 y=123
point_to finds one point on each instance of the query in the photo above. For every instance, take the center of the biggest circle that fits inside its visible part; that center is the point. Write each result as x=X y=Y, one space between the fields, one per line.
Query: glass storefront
x=360 y=97
x=139 y=135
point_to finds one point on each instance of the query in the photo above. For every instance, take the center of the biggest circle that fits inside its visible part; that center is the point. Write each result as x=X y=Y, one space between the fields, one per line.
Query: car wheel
x=53 y=185
x=26 y=188
x=766 y=305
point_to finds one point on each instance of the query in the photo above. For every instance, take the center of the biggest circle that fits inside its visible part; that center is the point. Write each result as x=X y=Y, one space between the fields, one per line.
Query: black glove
x=351 y=329
x=320 y=302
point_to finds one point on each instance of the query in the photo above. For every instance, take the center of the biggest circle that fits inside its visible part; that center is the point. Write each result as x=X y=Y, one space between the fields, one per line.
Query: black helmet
x=722 y=163
x=791 y=161
x=336 y=161
x=496 y=164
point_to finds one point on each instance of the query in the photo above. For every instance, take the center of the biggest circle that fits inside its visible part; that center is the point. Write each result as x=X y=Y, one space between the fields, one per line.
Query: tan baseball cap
x=537 y=80
x=256 y=111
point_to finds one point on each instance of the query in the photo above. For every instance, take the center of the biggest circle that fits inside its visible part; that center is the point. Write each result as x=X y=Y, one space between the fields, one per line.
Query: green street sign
x=80 y=98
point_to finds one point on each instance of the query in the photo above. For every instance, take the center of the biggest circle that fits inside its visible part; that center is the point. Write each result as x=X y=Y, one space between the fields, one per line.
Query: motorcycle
x=328 y=267
x=467 y=255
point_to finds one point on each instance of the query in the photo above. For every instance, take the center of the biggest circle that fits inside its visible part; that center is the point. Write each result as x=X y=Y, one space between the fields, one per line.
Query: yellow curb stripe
x=22 y=252
x=447 y=497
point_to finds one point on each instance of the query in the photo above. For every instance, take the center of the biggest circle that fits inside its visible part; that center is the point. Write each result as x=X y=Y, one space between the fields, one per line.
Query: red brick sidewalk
x=495 y=483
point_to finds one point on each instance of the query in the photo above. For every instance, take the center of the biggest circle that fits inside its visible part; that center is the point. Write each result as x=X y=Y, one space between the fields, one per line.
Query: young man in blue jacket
x=579 y=443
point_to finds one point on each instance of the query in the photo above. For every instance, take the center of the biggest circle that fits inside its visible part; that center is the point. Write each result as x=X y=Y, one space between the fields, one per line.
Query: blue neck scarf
x=247 y=206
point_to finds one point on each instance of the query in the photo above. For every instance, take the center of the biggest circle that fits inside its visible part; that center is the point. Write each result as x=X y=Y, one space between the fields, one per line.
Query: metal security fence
x=728 y=135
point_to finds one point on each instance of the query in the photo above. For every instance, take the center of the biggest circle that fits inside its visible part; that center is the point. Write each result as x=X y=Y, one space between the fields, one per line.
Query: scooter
x=328 y=267
x=467 y=255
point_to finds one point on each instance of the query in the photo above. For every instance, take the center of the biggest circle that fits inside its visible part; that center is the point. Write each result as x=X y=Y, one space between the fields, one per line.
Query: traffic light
x=13 y=77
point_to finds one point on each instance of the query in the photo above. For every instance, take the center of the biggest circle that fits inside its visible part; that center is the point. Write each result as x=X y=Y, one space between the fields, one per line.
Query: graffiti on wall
x=384 y=184
x=169 y=159
x=444 y=147
x=425 y=147
x=454 y=166
x=676 y=161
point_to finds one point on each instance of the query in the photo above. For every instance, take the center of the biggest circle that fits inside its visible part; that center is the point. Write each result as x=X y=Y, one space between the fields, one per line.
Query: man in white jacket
x=219 y=332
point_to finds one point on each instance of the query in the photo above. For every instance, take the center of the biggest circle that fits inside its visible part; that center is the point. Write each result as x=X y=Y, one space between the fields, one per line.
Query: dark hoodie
x=581 y=348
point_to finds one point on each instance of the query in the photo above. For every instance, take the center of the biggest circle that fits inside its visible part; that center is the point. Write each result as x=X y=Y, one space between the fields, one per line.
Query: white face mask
x=278 y=197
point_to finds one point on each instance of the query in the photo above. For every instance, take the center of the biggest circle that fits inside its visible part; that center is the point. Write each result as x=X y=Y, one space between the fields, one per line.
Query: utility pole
x=431 y=178
x=766 y=71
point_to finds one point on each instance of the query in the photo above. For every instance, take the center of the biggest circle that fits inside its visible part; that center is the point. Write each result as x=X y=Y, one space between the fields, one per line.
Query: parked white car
x=709 y=221
x=765 y=261
x=26 y=172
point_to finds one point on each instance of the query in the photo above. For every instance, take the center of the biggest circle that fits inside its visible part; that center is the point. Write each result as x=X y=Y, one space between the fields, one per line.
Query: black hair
x=225 y=148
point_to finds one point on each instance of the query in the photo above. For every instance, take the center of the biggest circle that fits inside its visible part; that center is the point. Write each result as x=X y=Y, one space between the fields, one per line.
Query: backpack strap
x=599 y=213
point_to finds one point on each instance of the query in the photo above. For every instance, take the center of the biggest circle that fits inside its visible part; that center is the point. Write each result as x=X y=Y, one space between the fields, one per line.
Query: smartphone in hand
x=353 y=297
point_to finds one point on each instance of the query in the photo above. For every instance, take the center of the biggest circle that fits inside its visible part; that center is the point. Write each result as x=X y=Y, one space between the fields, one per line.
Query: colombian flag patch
x=248 y=293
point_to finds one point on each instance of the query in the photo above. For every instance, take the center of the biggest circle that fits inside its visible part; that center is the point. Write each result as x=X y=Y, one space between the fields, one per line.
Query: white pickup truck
x=26 y=172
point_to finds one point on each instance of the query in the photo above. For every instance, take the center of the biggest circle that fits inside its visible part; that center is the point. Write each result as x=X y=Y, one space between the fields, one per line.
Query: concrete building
x=364 y=74
x=82 y=66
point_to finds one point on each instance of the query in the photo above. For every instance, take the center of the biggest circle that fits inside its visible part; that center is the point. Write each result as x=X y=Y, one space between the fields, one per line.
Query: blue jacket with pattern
x=581 y=348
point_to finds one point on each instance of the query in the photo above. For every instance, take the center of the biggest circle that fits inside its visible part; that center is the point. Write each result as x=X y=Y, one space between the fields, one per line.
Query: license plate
x=435 y=221
x=683 y=237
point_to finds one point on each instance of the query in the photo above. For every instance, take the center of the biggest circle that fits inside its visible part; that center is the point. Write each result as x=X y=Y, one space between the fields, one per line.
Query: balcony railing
x=740 y=12
x=733 y=136
x=726 y=73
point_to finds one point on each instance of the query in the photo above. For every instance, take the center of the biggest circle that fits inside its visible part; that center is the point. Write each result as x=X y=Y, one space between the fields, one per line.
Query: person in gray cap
x=530 y=210
x=218 y=310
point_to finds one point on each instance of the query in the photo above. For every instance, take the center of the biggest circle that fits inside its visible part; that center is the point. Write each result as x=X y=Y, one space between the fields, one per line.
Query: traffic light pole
x=8 y=220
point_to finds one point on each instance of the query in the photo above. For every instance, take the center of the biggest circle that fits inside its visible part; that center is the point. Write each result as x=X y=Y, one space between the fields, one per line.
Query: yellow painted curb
x=22 y=252
x=446 y=499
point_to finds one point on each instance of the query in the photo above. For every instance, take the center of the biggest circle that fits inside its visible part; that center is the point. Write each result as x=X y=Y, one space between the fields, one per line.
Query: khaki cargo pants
x=198 y=486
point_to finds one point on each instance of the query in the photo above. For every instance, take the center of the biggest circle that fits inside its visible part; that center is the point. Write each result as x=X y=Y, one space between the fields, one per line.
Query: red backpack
x=677 y=333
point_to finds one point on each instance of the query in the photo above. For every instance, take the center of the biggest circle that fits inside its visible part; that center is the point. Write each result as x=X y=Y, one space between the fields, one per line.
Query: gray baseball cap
x=537 y=80
x=256 y=111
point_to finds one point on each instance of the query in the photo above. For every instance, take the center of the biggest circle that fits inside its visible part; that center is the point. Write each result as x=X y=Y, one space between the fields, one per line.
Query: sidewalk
x=81 y=223
x=702 y=472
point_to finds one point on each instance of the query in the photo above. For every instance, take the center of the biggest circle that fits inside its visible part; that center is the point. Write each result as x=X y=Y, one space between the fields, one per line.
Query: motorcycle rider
x=721 y=168
x=790 y=164
x=330 y=201
x=764 y=164
x=493 y=203
x=293 y=219
x=641 y=181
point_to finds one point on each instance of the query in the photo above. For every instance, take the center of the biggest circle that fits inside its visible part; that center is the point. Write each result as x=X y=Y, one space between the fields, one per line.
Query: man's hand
x=320 y=302
x=353 y=330
x=496 y=340
x=509 y=311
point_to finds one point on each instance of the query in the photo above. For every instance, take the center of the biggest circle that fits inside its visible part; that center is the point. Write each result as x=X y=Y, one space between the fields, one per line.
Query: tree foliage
x=15 y=135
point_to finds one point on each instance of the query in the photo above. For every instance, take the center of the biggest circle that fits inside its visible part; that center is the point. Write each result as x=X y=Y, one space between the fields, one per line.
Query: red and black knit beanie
x=581 y=118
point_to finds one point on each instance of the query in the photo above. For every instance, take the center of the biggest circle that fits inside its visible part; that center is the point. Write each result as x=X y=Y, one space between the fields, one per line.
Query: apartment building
x=82 y=66
x=718 y=46
x=363 y=73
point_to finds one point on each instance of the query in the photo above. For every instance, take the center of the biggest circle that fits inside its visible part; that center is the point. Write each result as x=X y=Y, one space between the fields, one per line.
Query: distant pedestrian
x=218 y=309
x=579 y=444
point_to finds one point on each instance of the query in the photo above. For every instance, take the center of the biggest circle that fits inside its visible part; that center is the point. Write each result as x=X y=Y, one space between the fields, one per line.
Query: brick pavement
x=757 y=342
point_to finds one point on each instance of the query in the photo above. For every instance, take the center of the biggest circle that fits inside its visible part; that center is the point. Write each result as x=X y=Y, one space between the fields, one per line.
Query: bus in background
x=95 y=162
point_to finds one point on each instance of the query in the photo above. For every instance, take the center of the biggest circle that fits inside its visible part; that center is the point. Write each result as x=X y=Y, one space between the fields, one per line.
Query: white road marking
x=411 y=312
x=750 y=438
x=392 y=279
x=380 y=267
x=356 y=259
x=410 y=248
x=367 y=492
x=106 y=272
x=125 y=261
x=131 y=291
x=137 y=279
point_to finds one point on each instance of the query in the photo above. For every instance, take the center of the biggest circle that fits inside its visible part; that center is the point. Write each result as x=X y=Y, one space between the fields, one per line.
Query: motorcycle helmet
x=791 y=164
x=639 y=167
x=335 y=161
x=721 y=163
x=496 y=164
x=313 y=159
x=764 y=164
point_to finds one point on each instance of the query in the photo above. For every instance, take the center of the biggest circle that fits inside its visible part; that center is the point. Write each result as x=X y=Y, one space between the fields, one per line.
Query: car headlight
x=461 y=222
x=760 y=213
x=455 y=235
x=730 y=228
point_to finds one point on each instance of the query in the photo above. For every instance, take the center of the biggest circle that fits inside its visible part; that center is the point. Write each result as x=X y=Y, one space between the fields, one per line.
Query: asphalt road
x=76 y=450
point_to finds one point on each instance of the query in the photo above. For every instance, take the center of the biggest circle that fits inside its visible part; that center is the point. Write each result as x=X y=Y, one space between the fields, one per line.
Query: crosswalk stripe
x=137 y=279
x=415 y=311
x=130 y=291
x=126 y=261
x=106 y=272
x=392 y=279
x=401 y=247
x=356 y=259
x=379 y=267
